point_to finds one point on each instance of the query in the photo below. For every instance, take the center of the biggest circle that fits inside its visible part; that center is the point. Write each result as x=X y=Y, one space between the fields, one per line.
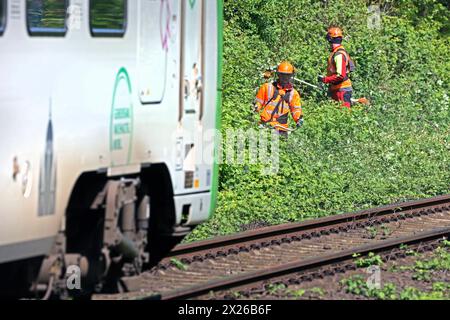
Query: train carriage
x=109 y=111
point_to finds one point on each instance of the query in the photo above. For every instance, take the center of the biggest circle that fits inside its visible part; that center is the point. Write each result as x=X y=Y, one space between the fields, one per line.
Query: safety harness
x=349 y=63
x=284 y=97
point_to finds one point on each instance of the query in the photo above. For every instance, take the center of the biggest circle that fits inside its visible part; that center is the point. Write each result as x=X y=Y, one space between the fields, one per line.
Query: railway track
x=253 y=257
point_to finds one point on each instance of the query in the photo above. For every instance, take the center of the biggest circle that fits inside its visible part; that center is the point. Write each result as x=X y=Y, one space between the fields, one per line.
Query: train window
x=46 y=17
x=2 y=16
x=108 y=18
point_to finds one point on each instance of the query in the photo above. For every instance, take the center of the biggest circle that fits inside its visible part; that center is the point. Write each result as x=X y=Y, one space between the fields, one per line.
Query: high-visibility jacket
x=276 y=107
x=338 y=69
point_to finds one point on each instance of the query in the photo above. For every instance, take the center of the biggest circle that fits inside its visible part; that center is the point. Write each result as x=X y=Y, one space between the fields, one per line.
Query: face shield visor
x=337 y=40
x=285 y=79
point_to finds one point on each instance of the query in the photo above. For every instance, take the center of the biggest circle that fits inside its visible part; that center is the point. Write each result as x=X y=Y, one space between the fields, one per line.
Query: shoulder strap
x=348 y=61
x=272 y=86
x=346 y=55
x=287 y=97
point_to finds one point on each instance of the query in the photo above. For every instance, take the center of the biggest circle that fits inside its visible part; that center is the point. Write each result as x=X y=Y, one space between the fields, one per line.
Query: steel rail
x=271 y=231
x=300 y=265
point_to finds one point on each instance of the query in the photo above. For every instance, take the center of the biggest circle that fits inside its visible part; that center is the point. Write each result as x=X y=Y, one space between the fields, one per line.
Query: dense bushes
x=396 y=149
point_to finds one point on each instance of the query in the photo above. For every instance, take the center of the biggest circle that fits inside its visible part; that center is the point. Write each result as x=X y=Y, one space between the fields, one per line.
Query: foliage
x=440 y=291
x=178 y=264
x=440 y=261
x=318 y=291
x=296 y=293
x=371 y=260
x=395 y=150
x=274 y=288
x=357 y=285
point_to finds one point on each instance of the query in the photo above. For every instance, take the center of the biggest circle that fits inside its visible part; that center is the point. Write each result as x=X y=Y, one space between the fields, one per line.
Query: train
x=108 y=157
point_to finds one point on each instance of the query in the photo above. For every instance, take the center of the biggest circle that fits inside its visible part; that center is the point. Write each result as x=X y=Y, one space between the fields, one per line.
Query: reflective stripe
x=333 y=68
x=270 y=107
x=345 y=84
x=259 y=100
x=291 y=96
x=338 y=62
x=269 y=94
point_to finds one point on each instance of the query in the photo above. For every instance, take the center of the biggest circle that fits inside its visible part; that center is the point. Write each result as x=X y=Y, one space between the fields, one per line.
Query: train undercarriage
x=115 y=228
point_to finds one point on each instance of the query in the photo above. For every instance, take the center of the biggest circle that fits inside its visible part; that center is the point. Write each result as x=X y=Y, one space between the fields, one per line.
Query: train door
x=155 y=23
x=192 y=58
x=191 y=85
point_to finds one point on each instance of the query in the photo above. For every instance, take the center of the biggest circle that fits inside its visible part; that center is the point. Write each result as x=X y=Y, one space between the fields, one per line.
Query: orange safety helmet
x=285 y=67
x=335 y=32
x=285 y=72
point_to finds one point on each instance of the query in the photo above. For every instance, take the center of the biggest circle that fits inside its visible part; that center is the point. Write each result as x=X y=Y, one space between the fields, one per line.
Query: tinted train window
x=108 y=17
x=2 y=15
x=46 y=17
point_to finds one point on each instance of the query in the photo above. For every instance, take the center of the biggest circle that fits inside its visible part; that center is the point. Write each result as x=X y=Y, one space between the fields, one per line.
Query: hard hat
x=334 y=32
x=285 y=67
x=285 y=72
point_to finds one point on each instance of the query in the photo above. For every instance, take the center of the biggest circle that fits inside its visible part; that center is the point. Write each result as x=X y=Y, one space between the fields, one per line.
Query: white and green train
x=107 y=153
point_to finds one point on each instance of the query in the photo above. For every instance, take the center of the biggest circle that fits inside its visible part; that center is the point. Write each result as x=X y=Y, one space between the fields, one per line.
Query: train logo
x=47 y=179
x=165 y=24
x=121 y=120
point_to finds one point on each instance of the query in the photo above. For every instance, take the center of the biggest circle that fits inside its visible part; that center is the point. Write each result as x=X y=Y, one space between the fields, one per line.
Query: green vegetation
x=357 y=285
x=424 y=268
x=386 y=230
x=423 y=271
x=273 y=288
x=296 y=293
x=440 y=291
x=395 y=150
x=318 y=291
x=178 y=264
x=299 y=293
x=371 y=260
x=372 y=232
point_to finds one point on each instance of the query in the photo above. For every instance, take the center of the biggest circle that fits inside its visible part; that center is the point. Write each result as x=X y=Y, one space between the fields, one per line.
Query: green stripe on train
x=215 y=178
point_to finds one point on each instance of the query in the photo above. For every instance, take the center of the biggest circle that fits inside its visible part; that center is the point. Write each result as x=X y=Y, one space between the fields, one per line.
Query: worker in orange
x=275 y=100
x=339 y=67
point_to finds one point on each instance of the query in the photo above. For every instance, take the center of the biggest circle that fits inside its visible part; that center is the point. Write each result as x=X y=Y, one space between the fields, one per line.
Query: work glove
x=320 y=79
x=300 y=123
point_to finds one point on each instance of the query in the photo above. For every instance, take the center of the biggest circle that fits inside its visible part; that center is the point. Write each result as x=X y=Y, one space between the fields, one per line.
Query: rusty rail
x=250 y=257
x=239 y=280
x=315 y=224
